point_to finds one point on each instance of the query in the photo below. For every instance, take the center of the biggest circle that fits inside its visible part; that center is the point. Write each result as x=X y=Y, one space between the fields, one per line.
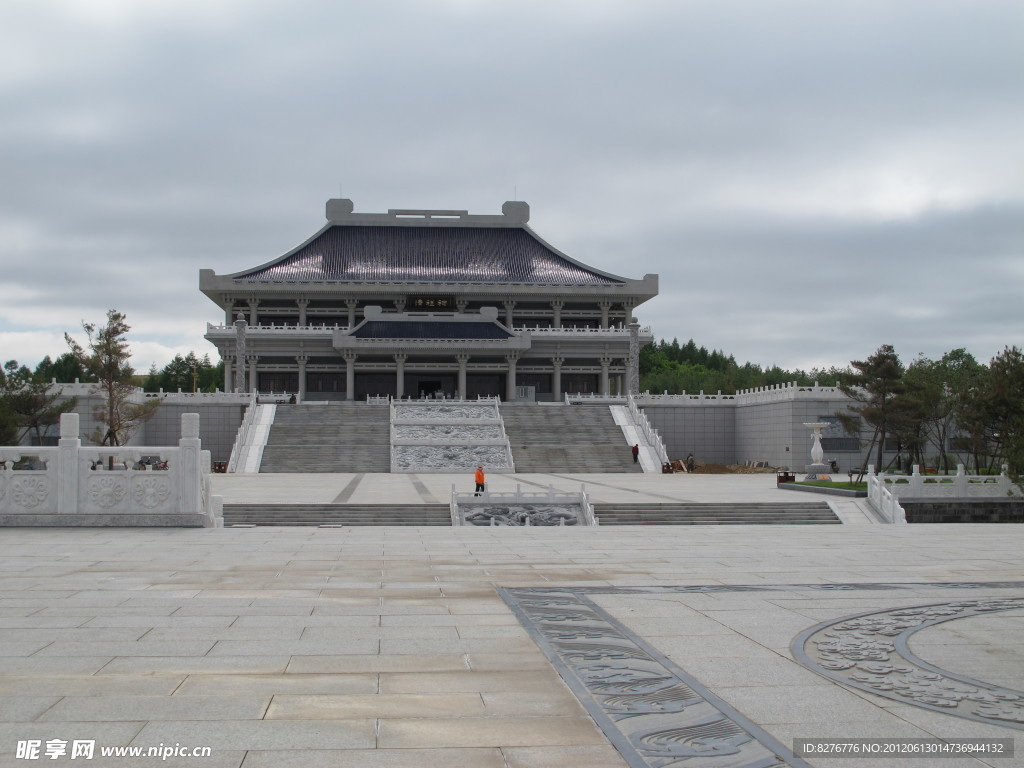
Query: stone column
x=509 y=306
x=605 y=363
x=350 y=375
x=228 y=378
x=190 y=466
x=303 y=303
x=634 y=357
x=400 y=359
x=240 y=350
x=351 y=304
x=67 y=465
x=510 y=383
x=556 y=377
x=605 y=306
x=302 y=360
x=253 y=305
x=229 y=306
x=463 y=360
x=556 y=313
x=253 y=380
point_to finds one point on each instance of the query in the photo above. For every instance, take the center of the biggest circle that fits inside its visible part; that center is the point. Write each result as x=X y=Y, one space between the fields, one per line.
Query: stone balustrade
x=75 y=485
x=771 y=394
x=522 y=508
x=281 y=330
x=885 y=491
x=650 y=433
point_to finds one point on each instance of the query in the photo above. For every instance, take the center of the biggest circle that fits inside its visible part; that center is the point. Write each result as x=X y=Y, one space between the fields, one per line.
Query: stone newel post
x=67 y=465
x=191 y=477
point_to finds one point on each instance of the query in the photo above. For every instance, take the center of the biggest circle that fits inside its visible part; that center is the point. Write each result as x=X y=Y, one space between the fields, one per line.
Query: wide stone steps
x=337 y=514
x=341 y=437
x=581 y=438
x=797 y=513
x=804 y=513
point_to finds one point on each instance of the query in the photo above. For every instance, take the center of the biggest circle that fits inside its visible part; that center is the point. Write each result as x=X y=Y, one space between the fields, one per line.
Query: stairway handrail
x=650 y=433
x=242 y=435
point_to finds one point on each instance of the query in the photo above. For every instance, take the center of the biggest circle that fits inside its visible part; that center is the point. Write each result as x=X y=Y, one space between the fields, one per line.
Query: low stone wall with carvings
x=131 y=486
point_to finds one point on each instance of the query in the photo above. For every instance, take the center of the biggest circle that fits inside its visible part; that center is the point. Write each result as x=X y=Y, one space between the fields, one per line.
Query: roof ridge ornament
x=342 y=211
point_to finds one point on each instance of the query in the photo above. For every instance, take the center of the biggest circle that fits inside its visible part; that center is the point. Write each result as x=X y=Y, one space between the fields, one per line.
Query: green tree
x=1004 y=397
x=64 y=370
x=31 y=401
x=875 y=386
x=8 y=424
x=106 y=359
x=188 y=373
x=944 y=386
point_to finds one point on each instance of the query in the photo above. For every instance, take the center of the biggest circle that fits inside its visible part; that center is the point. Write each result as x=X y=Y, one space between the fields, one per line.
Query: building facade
x=411 y=303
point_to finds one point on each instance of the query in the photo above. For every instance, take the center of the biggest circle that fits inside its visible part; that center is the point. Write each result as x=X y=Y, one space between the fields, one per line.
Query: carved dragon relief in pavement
x=654 y=713
x=658 y=716
x=869 y=651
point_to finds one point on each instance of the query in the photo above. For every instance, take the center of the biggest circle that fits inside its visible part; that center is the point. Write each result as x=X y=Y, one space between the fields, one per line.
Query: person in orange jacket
x=480 y=481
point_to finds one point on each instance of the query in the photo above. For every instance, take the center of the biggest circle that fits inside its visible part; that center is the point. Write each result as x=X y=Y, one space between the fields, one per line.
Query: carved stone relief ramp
x=659 y=716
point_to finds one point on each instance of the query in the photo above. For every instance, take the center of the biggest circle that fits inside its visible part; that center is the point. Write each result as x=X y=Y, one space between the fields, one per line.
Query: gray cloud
x=809 y=179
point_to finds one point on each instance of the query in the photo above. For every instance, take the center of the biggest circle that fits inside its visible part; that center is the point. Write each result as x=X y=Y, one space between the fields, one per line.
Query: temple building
x=413 y=303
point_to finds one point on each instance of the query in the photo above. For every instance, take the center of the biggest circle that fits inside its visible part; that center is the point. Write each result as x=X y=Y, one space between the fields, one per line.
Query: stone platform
x=510 y=647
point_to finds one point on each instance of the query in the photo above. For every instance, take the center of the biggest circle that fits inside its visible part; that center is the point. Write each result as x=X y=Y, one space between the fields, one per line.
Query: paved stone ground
x=467 y=647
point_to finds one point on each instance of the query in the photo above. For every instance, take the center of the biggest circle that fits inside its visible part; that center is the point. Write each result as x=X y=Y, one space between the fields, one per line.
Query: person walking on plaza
x=635 y=450
x=480 y=481
x=691 y=463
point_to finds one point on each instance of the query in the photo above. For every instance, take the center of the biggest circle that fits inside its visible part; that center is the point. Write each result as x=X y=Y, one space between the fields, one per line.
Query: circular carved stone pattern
x=29 y=492
x=107 y=492
x=869 y=651
x=151 y=492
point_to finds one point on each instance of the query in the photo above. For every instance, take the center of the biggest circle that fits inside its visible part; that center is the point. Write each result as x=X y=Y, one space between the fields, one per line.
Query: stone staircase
x=337 y=514
x=340 y=437
x=797 y=513
x=768 y=513
x=566 y=438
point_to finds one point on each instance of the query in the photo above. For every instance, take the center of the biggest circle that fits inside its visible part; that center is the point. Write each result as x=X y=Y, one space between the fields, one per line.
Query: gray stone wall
x=738 y=429
x=964 y=510
x=775 y=433
x=218 y=425
x=218 y=422
x=709 y=431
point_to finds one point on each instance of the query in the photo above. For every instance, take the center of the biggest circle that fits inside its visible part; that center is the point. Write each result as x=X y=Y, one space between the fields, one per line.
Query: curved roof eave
x=570 y=259
x=242 y=273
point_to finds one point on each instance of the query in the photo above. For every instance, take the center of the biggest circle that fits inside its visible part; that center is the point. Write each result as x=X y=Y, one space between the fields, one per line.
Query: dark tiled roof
x=427 y=254
x=419 y=329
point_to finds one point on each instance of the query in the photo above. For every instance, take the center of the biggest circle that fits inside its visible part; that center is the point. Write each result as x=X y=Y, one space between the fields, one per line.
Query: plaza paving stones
x=408 y=647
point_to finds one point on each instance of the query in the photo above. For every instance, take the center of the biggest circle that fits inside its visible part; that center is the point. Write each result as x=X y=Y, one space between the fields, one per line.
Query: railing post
x=960 y=483
x=916 y=486
x=66 y=468
x=190 y=478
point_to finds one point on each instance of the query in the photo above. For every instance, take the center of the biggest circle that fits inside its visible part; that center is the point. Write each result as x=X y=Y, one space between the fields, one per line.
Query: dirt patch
x=730 y=469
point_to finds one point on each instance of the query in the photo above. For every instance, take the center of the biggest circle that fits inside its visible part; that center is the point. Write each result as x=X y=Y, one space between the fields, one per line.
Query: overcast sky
x=810 y=179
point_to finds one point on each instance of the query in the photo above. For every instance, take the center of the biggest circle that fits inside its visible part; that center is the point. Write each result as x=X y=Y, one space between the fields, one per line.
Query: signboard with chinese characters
x=430 y=304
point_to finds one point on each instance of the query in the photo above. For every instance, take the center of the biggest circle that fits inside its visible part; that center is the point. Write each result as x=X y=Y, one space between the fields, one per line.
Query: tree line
x=674 y=368
x=930 y=412
x=30 y=403
x=936 y=411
